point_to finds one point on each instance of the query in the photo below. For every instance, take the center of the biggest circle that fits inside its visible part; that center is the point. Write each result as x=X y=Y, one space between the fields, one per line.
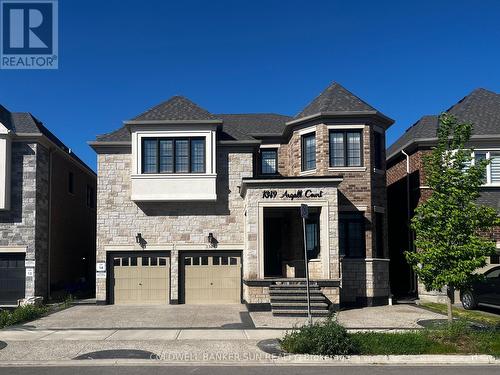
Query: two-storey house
x=195 y=207
x=407 y=183
x=47 y=213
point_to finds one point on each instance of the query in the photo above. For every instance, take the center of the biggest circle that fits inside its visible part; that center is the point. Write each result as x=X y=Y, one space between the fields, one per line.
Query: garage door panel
x=141 y=279
x=12 y=277
x=212 y=279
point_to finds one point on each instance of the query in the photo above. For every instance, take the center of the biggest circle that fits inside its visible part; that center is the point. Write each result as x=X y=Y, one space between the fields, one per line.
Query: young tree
x=449 y=223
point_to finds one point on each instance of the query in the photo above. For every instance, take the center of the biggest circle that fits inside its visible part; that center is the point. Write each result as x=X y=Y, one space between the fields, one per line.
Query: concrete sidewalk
x=23 y=334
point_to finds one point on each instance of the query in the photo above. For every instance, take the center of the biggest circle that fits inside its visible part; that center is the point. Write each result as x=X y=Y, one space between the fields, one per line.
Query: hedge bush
x=21 y=314
x=324 y=338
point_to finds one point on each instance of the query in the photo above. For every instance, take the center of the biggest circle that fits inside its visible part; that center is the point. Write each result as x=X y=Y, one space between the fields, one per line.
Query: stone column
x=174 y=277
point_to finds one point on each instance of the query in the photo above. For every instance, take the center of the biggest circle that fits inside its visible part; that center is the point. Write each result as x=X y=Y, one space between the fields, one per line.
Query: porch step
x=294 y=287
x=319 y=297
x=298 y=306
x=300 y=313
x=289 y=298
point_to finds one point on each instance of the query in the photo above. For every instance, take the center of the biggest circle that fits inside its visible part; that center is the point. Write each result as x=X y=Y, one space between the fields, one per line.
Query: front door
x=273 y=245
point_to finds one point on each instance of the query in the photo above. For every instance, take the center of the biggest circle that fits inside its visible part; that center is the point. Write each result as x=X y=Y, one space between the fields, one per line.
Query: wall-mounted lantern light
x=210 y=238
x=138 y=238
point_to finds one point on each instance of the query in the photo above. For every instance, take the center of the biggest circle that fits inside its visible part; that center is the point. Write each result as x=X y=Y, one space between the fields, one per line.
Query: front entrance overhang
x=285 y=192
x=291 y=182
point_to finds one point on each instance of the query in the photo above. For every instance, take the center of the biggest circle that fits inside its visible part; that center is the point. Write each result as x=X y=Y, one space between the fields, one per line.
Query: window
x=269 y=161
x=71 y=183
x=352 y=234
x=312 y=237
x=378 y=141
x=345 y=148
x=309 y=152
x=173 y=155
x=90 y=197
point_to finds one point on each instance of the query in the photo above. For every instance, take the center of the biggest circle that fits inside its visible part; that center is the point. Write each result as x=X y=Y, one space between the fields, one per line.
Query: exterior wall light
x=138 y=238
x=212 y=241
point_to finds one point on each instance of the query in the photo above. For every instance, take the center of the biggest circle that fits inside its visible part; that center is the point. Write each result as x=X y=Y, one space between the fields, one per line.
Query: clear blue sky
x=120 y=57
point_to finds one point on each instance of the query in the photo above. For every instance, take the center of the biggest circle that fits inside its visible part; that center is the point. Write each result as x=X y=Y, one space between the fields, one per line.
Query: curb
x=302 y=360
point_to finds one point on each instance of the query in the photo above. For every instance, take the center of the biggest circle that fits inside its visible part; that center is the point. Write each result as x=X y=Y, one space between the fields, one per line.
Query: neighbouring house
x=47 y=213
x=406 y=186
x=195 y=207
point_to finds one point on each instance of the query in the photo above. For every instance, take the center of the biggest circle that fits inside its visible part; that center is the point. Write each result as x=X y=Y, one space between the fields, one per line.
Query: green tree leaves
x=448 y=225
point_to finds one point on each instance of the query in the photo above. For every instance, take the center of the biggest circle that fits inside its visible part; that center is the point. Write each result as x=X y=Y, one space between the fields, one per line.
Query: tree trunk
x=450 y=294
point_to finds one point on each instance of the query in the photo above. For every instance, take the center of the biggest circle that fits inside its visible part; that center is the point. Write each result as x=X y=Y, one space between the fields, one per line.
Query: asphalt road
x=252 y=370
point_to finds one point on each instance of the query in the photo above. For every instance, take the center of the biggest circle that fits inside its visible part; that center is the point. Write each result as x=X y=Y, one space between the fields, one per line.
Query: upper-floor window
x=345 y=148
x=378 y=142
x=308 y=151
x=173 y=155
x=90 y=197
x=71 y=183
x=269 y=161
x=492 y=173
x=352 y=234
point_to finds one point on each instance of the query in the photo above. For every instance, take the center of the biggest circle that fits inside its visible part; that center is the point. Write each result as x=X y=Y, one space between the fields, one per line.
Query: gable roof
x=335 y=98
x=481 y=107
x=177 y=108
x=238 y=127
x=24 y=123
x=334 y=101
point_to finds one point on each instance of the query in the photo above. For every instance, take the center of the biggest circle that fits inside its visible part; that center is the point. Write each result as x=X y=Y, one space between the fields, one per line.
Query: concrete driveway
x=155 y=316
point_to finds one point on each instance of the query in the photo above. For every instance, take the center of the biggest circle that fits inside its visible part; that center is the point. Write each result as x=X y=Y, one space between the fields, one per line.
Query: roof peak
x=335 y=98
x=178 y=108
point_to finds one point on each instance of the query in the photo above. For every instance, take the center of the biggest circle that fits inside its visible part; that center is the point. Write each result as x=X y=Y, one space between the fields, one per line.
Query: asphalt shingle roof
x=245 y=126
x=335 y=98
x=235 y=127
x=481 y=107
x=26 y=123
x=176 y=108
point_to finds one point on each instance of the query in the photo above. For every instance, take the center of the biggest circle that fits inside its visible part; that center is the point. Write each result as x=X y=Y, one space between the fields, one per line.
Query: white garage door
x=212 y=279
x=141 y=279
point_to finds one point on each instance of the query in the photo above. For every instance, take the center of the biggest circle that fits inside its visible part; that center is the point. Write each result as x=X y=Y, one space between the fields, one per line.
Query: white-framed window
x=492 y=176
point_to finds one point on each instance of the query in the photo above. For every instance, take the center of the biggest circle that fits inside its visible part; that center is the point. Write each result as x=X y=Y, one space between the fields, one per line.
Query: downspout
x=51 y=150
x=408 y=213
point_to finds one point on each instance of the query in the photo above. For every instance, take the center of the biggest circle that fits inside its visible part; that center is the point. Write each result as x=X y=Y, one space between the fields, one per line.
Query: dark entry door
x=12 y=277
x=272 y=246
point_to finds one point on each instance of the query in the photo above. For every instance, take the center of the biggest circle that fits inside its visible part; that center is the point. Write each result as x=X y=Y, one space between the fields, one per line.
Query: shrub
x=326 y=338
x=21 y=314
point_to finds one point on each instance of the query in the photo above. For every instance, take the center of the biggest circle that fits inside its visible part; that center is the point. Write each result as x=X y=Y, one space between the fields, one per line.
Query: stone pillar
x=174 y=277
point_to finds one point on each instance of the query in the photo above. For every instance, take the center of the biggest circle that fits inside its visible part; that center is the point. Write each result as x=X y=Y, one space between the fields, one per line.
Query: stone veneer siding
x=169 y=223
x=25 y=224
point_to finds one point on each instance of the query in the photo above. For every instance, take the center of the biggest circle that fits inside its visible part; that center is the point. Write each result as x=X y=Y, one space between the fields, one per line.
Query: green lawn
x=472 y=315
x=331 y=339
x=427 y=342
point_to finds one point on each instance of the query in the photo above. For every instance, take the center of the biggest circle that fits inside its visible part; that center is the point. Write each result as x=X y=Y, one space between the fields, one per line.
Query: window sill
x=173 y=187
x=309 y=172
x=347 y=169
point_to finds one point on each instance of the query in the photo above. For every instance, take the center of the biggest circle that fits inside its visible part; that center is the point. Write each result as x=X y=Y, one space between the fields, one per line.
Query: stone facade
x=235 y=217
x=18 y=225
x=27 y=225
x=164 y=224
